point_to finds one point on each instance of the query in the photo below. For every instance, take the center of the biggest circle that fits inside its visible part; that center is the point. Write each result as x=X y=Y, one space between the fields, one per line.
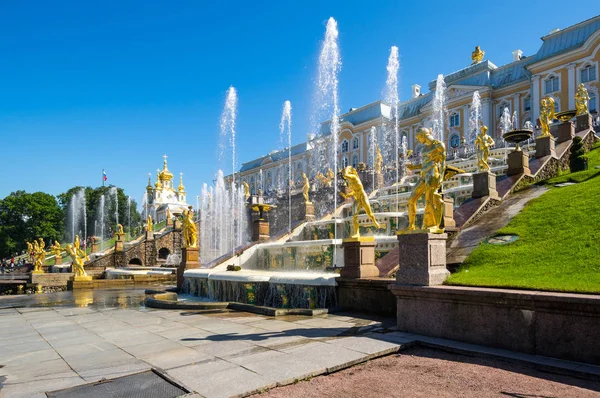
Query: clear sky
x=116 y=84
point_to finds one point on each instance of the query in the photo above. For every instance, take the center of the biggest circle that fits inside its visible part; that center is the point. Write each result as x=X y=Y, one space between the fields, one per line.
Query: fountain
x=100 y=219
x=518 y=160
x=286 y=125
x=475 y=118
x=77 y=215
x=439 y=109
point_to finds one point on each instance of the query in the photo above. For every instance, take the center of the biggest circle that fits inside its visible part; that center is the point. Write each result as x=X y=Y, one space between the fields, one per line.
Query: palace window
x=593 y=102
x=455 y=141
x=355 y=143
x=355 y=161
x=404 y=137
x=588 y=73
x=527 y=103
x=454 y=120
x=344 y=146
x=344 y=161
x=551 y=84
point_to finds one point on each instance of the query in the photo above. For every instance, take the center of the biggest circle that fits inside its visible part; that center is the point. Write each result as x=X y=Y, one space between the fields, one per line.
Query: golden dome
x=165 y=174
x=181 y=187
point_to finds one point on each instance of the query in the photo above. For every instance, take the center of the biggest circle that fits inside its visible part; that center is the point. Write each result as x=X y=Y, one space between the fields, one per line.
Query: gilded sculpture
x=169 y=213
x=77 y=243
x=305 y=187
x=119 y=230
x=190 y=232
x=378 y=161
x=483 y=143
x=477 y=55
x=433 y=170
x=78 y=258
x=581 y=100
x=56 y=248
x=546 y=115
x=246 y=189
x=361 y=201
x=39 y=255
x=149 y=223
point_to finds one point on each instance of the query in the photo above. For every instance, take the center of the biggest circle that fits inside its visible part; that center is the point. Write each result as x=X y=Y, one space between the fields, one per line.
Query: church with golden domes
x=163 y=196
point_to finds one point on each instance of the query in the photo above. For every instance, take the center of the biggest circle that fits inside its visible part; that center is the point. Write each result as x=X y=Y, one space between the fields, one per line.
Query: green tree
x=27 y=216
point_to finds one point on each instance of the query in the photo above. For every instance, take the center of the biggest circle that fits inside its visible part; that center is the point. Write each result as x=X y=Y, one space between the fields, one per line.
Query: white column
x=571 y=80
x=535 y=99
x=466 y=114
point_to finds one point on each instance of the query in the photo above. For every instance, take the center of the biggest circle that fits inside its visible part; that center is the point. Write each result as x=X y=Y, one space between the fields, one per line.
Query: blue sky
x=116 y=84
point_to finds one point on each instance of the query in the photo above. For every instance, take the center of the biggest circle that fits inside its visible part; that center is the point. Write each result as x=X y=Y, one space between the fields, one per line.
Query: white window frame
x=355 y=143
x=344 y=161
x=586 y=67
x=457 y=136
x=527 y=98
x=451 y=121
x=355 y=157
x=552 y=77
x=345 y=144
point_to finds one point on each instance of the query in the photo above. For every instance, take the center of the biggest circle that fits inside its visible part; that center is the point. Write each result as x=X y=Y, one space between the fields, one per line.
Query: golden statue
x=483 y=143
x=169 y=213
x=581 y=100
x=477 y=55
x=78 y=260
x=29 y=248
x=305 y=188
x=56 y=248
x=546 y=115
x=361 y=201
x=433 y=169
x=190 y=232
x=39 y=256
x=77 y=244
x=149 y=223
x=246 y=189
x=330 y=175
x=378 y=161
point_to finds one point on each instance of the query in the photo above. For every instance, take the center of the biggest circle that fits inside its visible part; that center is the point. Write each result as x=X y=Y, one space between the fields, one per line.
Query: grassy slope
x=559 y=244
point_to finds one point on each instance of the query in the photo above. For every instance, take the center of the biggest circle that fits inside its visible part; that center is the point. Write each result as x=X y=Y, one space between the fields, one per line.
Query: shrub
x=577 y=159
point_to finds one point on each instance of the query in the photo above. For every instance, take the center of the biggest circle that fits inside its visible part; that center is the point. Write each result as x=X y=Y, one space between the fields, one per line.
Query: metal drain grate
x=149 y=384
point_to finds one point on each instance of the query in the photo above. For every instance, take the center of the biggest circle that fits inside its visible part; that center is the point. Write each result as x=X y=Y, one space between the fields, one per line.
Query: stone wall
x=556 y=325
x=54 y=279
x=370 y=296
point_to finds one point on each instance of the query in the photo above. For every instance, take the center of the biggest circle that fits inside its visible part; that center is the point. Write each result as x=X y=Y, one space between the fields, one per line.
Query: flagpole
x=102 y=177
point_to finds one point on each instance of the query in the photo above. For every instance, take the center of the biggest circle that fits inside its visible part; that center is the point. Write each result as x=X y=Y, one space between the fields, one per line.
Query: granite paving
x=214 y=355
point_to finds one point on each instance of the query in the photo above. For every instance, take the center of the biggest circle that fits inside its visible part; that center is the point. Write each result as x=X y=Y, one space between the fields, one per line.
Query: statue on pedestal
x=361 y=201
x=305 y=188
x=581 y=100
x=546 y=115
x=483 y=143
x=246 y=189
x=477 y=55
x=433 y=169
x=78 y=258
x=190 y=232
x=149 y=223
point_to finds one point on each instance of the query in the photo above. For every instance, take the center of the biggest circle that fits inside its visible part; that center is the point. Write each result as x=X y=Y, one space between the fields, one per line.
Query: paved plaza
x=47 y=348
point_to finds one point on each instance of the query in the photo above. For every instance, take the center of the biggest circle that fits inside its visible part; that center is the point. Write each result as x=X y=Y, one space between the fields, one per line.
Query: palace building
x=565 y=59
x=163 y=196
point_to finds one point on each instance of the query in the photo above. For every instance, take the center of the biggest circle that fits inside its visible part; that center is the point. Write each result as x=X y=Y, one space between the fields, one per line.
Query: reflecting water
x=96 y=299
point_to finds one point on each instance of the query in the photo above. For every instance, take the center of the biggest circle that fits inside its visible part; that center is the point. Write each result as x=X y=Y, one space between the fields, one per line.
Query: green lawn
x=559 y=241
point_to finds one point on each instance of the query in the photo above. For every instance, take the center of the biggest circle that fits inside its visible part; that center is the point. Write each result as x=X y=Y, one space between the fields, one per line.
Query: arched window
x=587 y=73
x=454 y=119
x=501 y=108
x=355 y=143
x=344 y=161
x=355 y=161
x=527 y=103
x=455 y=141
x=344 y=146
x=551 y=84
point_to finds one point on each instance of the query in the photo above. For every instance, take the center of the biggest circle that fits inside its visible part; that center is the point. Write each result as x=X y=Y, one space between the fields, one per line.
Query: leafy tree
x=28 y=216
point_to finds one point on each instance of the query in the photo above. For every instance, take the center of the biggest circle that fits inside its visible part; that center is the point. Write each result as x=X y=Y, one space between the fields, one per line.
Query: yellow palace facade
x=565 y=59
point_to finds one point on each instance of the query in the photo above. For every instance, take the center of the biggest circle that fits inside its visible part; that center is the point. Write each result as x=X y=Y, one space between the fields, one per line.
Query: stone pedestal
x=94 y=248
x=545 y=146
x=169 y=222
x=119 y=238
x=564 y=132
x=177 y=224
x=359 y=258
x=149 y=235
x=189 y=260
x=518 y=163
x=378 y=180
x=308 y=210
x=260 y=230
x=82 y=278
x=422 y=259
x=583 y=122
x=57 y=260
x=484 y=184
x=449 y=213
